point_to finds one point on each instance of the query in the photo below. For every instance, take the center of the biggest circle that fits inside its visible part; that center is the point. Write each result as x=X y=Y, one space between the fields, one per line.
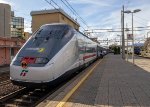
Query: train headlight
x=41 y=60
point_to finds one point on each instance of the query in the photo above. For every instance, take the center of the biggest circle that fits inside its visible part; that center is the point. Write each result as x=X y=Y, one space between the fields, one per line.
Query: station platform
x=112 y=82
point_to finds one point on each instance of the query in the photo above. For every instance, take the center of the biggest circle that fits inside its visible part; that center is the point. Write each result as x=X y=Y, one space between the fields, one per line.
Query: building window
x=12 y=52
x=14 y=26
x=17 y=27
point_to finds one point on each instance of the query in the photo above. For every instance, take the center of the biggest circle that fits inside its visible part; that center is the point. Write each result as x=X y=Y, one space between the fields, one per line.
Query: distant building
x=51 y=16
x=17 y=26
x=26 y=35
x=5 y=19
x=146 y=46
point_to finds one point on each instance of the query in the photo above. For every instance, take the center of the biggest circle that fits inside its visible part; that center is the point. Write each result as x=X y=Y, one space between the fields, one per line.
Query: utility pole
x=122 y=26
x=127 y=41
x=132 y=40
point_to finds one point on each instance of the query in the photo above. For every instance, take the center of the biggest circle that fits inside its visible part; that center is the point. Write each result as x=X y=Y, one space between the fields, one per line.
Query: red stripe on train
x=89 y=56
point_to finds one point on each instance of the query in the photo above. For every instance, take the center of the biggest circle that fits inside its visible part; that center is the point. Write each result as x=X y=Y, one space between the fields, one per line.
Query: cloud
x=113 y=20
x=27 y=26
x=97 y=13
x=99 y=3
x=8 y=2
x=141 y=19
x=92 y=11
x=27 y=30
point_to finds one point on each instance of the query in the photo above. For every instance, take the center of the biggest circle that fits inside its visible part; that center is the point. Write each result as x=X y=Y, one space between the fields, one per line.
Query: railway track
x=10 y=96
x=5 y=82
x=4 y=77
x=29 y=97
x=25 y=97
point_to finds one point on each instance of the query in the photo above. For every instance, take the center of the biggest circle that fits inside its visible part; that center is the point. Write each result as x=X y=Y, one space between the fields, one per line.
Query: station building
x=51 y=16
x=11 y=28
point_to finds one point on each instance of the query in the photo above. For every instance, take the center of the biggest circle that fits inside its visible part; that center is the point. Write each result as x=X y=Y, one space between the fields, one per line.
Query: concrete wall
x=51 y=16
x=64 y=19
x=40 y=19
x=5 y=20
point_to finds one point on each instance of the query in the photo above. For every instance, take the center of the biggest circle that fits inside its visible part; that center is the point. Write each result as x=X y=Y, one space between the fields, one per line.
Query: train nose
x=32 y=74
x=30 y=61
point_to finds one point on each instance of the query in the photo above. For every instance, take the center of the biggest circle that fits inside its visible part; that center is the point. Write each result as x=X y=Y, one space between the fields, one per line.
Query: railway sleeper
x=10 y=105
x=30 y=97
x=23 y=102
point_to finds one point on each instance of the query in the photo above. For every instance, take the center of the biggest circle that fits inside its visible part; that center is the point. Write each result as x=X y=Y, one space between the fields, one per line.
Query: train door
x=81 y=48
x=97 y=51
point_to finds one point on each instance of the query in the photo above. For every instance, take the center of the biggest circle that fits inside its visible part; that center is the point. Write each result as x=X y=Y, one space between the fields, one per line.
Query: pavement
x=113 y=83
x=141 y=62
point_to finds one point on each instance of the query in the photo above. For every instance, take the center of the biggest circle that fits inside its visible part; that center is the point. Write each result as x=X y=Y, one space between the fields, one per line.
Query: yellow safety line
x=65 y=99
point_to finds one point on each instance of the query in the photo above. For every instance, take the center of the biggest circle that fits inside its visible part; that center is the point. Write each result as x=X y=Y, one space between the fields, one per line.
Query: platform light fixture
x=134 y=11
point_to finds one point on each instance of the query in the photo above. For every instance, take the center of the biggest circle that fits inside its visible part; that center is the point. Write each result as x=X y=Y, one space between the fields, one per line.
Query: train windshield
x=53 y=31
x=47 y=41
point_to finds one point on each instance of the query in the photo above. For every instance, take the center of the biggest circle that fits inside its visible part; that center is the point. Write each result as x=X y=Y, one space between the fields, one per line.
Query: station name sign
x=129 y=36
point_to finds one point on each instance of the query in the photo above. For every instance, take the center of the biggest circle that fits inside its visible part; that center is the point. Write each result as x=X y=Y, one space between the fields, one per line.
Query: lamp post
x=122 y=29
x=127 y=42
x=134 y=11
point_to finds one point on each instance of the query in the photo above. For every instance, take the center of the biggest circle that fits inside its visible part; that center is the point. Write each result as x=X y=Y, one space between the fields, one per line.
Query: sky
x=97 y=14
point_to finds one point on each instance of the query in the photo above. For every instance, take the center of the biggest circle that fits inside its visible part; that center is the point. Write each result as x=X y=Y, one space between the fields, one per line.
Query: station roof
x=54 y=11
x=12 y=39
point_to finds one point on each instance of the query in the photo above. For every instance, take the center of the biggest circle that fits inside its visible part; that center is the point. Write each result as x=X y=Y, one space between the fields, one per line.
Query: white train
x=52 y=53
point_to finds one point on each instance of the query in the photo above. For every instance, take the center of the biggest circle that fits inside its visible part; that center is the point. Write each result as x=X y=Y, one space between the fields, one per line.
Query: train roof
x=71 y=27
x=87 y=36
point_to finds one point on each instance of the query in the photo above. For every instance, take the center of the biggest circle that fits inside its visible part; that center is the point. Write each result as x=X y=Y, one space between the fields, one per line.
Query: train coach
x=51 y=54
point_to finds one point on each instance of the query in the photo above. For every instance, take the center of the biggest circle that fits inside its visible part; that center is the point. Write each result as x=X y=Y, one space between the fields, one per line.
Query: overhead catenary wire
x=144 y=24
x=49 y=2
x=74 y=11
x=143 y=19
x=142 y=29
x=68 y=7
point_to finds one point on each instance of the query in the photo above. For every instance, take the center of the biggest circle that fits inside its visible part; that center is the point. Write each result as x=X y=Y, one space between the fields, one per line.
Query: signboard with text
x=129 y=36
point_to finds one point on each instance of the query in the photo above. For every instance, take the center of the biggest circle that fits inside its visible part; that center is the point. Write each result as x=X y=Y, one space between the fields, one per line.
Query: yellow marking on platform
x=66 y=98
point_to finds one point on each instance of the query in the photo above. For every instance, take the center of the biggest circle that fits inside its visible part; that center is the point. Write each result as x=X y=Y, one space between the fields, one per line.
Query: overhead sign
x=129 y=36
